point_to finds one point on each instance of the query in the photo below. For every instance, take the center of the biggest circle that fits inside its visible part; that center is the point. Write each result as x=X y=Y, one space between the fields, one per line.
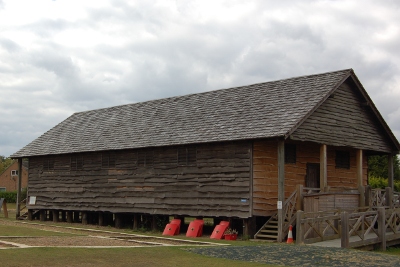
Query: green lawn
x=6 y=230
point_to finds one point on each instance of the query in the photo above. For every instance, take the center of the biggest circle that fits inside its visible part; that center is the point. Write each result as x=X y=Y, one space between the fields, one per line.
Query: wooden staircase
x=269 y=231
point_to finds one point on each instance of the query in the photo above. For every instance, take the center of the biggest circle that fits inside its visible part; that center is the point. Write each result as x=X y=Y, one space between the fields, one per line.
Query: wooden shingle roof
x=264 y=110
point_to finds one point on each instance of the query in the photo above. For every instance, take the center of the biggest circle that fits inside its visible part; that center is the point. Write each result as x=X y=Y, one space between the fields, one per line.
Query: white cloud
x=60 y=57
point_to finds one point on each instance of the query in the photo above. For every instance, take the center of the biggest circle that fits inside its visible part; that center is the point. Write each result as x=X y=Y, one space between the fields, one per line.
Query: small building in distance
x=9 y=177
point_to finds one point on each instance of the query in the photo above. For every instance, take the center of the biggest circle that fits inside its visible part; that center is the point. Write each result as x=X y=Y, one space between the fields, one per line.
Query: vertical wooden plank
x=118 y=220
x=390 y=171
x=299 y=201
x=84 y=217
x=368 y=195
x=299 y=228
x=281 y=186
x=101 y=218
x=251 y=180
x=135 y=221
x=345 y=229
x=389 y=197
x=359 y=167
x=361 y=200
x=18 y=206
x=55 y=215
x=69 y=217
x=153 y=223
x=323 y=176
x=382 y=227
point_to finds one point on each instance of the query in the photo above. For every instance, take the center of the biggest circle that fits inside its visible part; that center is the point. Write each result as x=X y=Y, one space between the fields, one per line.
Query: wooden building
x=237 y=152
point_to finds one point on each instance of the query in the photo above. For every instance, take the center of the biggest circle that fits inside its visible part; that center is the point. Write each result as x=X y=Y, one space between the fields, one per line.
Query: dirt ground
x=85 y=238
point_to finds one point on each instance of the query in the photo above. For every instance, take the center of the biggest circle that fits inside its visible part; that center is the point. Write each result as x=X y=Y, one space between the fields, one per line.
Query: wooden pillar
x=281 y=187
x=18 y=205
x=382 y=227
x=63 y=216
x=70 y=218
x=359 y=166
x=101 y=218
x=323 y=169
x=76 y=216
x=55 y=215
x=30 y=215
x=368 y=195
x=299 y=201
x=43 y=215
x=389 y=197
x=135 y=222
x=84 y=217
x=118 y=220
x=153 y=223
x=390 y=172
x=345 y=229
x=299 y=228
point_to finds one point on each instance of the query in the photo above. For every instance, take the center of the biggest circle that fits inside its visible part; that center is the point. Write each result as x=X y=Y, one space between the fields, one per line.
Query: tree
x=378 y=167
x=4 y=163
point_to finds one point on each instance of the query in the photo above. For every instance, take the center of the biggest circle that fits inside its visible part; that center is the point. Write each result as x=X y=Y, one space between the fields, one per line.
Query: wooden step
x=269 y=231
x=267 y=236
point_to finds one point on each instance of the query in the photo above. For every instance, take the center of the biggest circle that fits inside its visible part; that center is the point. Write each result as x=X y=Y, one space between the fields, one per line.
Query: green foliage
x=382 y=183
x=11 y=196
x=378 y=167
x=4 y=163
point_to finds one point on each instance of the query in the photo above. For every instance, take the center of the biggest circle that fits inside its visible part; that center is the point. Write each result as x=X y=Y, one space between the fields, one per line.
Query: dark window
x=187 y=156
x=76 y=162
x=108 y=160
x=290 y=153
x=342 y=159
x=14 y=173
x=48 y=164
x=145 y=158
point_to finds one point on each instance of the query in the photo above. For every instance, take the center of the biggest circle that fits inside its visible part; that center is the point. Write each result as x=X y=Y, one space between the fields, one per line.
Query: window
x=342 y=160
x=187 y=156
x=108 y=160
x=145 y=158
x=2 y=189
x=290 y=153
x=48 y=164
x=76 y=162
x=14 y=173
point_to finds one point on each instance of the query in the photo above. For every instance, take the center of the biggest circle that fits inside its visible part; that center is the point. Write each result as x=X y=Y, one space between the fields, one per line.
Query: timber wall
x=217 y=183
x=344 y=120
x=265 y=172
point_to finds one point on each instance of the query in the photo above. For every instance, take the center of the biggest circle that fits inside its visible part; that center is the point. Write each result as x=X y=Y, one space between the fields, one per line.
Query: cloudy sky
x=65 y=56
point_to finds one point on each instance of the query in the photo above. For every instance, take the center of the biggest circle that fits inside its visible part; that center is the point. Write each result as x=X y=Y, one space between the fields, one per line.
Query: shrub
x=11 y=196
x=379 y=182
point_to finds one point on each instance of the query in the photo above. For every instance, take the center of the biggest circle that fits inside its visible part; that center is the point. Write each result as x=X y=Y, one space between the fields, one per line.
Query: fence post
x=389 y=197
x=382 y=227
x=299 y=228
x=361 y=190
x=299 y=201
x=368 y=196
x=344 y=217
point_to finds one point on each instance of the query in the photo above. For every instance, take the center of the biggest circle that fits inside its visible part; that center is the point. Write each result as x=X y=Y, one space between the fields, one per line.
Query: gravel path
x=291 y=255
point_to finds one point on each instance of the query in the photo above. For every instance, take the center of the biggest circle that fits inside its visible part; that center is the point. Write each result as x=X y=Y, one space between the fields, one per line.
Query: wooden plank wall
x=344 y=120
x=265 y=172
x=217 y=184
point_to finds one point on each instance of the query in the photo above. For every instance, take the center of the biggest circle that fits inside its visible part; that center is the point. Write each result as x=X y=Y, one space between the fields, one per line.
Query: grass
x=7 y=230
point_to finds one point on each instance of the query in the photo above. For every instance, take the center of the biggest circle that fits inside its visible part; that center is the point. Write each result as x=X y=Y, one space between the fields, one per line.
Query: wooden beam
x=323 y=157
x=281 y=186
x=359 y=166
x=18 y=206
x=390 y=172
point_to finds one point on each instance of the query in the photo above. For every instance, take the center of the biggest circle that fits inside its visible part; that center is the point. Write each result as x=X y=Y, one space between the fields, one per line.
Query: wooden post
x=18 y=206
x=153 y=223
x=345 y=229
x=55 y=215
x=361 y=200
x=76 y=216
x=390 y=172
x=281 y=186
x=4 y=206
x=368 y=196
x=299 y=201
x=323 y=175
x=84 y=217
x=359 y=167
x=63 y=216
x=101 y=218
x=43 y=215
x=135 y=222
x=389 y=197
x=118 y=220
x=30 y=215
x=70 y=218
x=382 y=227
x=299 y=228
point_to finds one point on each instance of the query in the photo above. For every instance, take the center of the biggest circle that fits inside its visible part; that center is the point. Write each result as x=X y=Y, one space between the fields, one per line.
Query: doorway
x=312 y=176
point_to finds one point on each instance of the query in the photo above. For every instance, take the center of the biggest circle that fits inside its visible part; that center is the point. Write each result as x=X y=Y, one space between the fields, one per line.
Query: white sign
x=279 y=204
x=32 y=200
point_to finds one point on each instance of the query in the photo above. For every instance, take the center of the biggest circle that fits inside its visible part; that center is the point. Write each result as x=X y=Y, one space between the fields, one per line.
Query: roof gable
x=265 y=110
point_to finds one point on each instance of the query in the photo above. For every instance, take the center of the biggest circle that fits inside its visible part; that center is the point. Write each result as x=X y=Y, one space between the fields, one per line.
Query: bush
x=11 y=196
x=379 y=182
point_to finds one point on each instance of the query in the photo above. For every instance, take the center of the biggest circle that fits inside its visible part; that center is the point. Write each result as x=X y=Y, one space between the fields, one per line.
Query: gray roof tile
x=262 y=110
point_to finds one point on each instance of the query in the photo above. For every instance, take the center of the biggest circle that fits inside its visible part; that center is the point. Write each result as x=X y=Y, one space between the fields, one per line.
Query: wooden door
x=312 y=177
